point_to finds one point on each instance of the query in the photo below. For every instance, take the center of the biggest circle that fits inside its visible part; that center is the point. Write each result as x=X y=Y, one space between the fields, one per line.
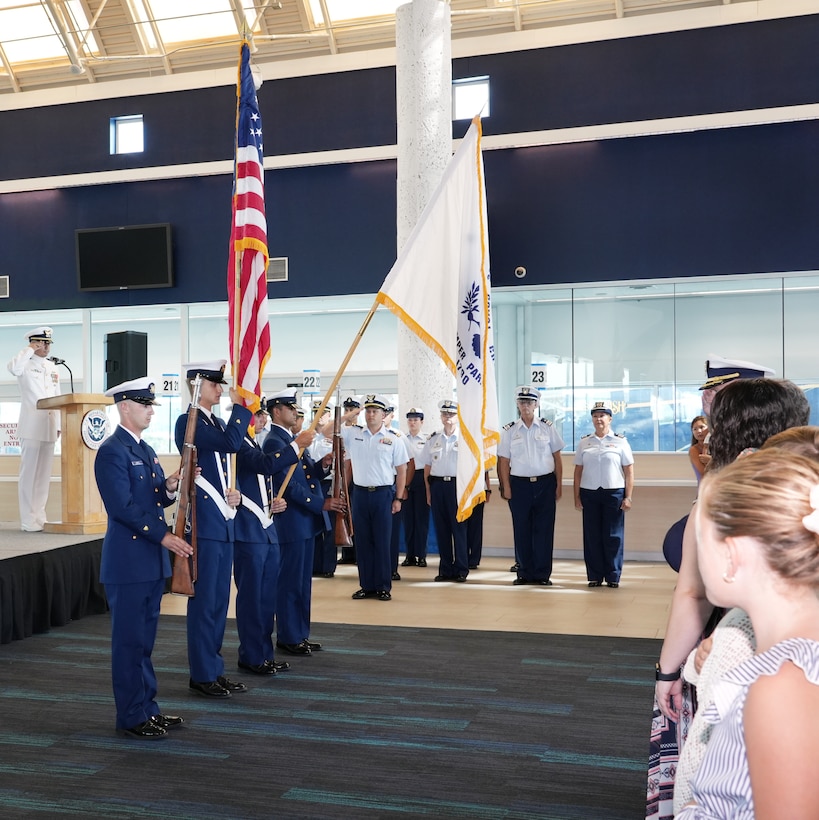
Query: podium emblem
x=95 y=428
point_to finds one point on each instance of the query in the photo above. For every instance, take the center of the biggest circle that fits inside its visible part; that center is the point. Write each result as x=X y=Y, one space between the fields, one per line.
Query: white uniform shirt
x=530 y=450
x=441 y=454
x=374 y=456
x=603 y=460
x=415 y=447
x=38 y=379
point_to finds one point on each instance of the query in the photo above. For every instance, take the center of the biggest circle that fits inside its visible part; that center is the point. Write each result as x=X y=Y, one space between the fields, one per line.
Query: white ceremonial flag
x=439 y=287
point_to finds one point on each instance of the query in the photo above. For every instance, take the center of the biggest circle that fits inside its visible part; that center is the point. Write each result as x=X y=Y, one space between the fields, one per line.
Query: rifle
x=184 y=569
x=344 y=521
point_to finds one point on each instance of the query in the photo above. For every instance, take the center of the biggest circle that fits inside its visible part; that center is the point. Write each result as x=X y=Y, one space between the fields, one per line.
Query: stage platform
x=46 y=580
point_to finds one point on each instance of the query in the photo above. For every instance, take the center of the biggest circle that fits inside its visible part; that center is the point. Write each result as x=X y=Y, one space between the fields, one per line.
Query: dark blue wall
x=714 y=202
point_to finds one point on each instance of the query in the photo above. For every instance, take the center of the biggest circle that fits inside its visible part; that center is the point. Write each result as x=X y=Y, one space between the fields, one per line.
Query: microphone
x=56 y=360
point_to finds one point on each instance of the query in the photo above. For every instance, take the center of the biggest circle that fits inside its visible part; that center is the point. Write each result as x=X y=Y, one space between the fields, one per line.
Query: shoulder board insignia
x=395 y=432
x=546 y=422
x=360 y=426
x=586 y=436
x=619 y=435
x=509 y=426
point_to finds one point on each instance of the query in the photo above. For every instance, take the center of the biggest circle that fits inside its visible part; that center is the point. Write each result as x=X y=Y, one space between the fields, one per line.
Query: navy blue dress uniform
x=531 y=473
x=440 y=460
x=378 y=459
x=297 y=527
x=207 y=610
x=415 y=510
x=325 y=551
x=603 y=482
x=134 y=563
x=395 y=535
x=474 y=530
x=256 y=556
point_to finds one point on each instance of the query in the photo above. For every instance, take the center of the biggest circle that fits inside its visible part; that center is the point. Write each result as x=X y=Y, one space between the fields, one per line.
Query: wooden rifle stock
x=344 y=521
x=184 y=568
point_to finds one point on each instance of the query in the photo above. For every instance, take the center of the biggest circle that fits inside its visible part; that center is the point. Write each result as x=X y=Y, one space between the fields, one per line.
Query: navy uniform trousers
x=533 y=506
x=373 y=521
x=415 y=517
x=603 y=533
x=449 y=532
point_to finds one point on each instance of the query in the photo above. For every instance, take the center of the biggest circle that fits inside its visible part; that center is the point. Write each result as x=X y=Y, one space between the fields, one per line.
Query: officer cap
x=351 y=401
x=286 y=398
x=212 y=371
x=526 y=393
x=262 y=411
x=415 y=413
x=139 y=390
x=721 y=371
x=300 y=412
x=448 y=406
x=601 y=407
x=376 y=400
x=40 y=334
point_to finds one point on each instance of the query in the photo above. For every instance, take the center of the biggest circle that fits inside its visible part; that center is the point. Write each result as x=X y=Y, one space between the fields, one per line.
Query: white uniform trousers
x=36 y=460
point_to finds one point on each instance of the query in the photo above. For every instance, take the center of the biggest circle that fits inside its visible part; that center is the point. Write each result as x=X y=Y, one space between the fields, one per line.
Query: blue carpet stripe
x=602 y=761
x=453 y=745
x=37 y=741
x=97 y=807
x=417 y=807
x=175 y=746
x=52 y=769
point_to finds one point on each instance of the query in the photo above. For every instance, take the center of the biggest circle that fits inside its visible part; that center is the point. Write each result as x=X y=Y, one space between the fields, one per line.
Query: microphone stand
x=62 y=362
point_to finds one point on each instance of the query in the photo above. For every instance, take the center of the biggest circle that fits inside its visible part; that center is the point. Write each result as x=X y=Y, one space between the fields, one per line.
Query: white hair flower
x=811 y=522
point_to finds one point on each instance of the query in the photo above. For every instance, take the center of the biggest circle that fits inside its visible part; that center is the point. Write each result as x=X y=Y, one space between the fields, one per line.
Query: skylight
x=344 y=11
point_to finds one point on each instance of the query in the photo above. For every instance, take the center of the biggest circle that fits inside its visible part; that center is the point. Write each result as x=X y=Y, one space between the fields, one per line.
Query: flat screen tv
x=125 y=257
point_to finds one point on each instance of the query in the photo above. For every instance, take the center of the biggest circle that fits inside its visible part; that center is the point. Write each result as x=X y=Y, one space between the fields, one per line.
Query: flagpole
x=331 y=389
x=237 y=315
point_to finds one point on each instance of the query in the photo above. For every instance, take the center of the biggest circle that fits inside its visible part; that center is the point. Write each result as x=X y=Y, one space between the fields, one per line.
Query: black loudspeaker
x=126 y=357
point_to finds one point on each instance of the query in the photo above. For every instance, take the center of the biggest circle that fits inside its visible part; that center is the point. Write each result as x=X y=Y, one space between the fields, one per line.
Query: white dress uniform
x=602 y=488
x=37 y=430
x=533 y=505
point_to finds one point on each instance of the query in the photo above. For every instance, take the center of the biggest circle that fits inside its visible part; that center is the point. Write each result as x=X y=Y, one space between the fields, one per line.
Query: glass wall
x=641 y=346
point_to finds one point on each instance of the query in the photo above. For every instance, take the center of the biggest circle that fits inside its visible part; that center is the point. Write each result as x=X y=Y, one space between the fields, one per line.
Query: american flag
x=247 y=265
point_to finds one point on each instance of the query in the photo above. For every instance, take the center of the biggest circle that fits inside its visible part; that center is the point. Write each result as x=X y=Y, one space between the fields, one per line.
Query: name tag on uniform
x=137 y=463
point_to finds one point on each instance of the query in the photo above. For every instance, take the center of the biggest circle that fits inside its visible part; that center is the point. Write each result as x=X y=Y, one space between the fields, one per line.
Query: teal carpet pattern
x=385 y=722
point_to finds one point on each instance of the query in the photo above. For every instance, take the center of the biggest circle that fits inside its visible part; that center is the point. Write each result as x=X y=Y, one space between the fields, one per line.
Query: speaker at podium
x=126 y=357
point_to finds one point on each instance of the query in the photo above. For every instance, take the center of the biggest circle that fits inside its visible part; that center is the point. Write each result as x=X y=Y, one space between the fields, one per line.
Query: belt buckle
x=371 y=489
x=446 y=478
x=533 y=478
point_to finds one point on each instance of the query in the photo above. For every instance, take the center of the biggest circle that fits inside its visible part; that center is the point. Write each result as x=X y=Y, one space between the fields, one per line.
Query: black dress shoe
x=361 y=594
x=314 y=647
x=460 y=579
x=612 y=584
x=231 y=686
x=383 y=595
x=280 y=666
x=595 y=583
x=408 y=562
x=519 y=582
x=210 y=689
x=422 y=562
x=443 y=578
x=323 y=574
x=167 y=721
x=474 y=566
x=396 y=576
x=144 y=731
x=293 y=648
x=263 y=668
x=546 y=583
x=515 y=567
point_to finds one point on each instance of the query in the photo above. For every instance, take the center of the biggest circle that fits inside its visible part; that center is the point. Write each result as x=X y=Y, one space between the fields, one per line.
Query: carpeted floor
x=385 y=722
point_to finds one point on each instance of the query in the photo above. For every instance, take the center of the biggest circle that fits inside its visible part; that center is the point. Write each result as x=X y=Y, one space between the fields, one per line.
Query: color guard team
x=268 y=525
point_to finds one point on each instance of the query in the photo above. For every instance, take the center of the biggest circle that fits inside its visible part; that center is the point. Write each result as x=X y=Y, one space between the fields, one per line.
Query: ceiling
x=48 y=44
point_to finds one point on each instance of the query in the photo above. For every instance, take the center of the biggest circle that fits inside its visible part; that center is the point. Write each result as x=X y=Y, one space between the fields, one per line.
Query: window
x=127 y=135
x=470 y=97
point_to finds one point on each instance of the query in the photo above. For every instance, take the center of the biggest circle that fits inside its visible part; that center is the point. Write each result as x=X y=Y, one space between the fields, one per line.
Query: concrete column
x=424 y=118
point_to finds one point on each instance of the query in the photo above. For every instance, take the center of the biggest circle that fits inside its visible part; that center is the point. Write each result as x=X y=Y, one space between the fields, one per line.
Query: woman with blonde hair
x=757 y=525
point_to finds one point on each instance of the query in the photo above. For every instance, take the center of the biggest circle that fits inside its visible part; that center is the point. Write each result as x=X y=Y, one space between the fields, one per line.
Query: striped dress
x=722 y=786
